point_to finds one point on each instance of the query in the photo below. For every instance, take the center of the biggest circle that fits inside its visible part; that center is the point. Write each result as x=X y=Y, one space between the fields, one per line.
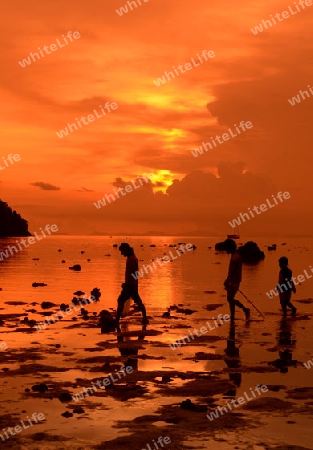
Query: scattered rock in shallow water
x=166 y=315
x=187 y=404
x=63 y=261
x=32 y=323
x=78 y=410
x=79 y=293
x=275 y=387
x=40 y=388
x=209 y=292
x=107 y=322
x=95 y=293
x=47 y=305
x=186 y=311
x=15 y=303
x=57 y=345
x=67 y=414
x=78 y=301
x=64 y=307
x=39 y=284
x=35 y=259
x=76 y=267
x=166 y=379
x=213 y=306
x=65 y=397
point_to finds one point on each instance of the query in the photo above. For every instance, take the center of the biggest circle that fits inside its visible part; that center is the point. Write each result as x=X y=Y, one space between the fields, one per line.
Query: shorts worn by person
x=130 y=286
x=285 y=281
x=233 y=279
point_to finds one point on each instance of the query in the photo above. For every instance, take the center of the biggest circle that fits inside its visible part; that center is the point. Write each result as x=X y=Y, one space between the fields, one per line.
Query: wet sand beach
x=42 y=371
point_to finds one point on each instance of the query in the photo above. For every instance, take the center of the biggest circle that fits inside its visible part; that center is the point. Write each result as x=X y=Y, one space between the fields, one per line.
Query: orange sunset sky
x=155 y=128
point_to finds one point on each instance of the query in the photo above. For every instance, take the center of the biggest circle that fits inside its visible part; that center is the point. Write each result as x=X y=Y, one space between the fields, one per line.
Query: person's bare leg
x=123 y=297
x=141 y=306
x=230 y=299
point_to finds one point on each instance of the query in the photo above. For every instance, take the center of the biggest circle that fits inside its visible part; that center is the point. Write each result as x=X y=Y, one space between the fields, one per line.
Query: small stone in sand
x=67 y=414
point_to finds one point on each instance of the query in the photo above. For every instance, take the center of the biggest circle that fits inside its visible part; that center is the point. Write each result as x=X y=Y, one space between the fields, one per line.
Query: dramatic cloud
x=83 y=189
x=45 y=186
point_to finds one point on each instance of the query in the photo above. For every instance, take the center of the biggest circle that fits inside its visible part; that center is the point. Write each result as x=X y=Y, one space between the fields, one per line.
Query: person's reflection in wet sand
x=232 y=359
x=286 y=343
x=128 y=347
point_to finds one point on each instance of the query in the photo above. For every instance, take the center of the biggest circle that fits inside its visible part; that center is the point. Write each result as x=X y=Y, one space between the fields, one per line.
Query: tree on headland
x=11 y=223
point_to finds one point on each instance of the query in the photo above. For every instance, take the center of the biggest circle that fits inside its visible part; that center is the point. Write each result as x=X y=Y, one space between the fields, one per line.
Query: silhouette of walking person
x=130 y=287
x=233 y=279
x=285 y=279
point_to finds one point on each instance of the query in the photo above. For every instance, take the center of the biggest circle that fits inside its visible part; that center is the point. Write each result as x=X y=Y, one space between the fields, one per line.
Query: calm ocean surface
x=181 y=281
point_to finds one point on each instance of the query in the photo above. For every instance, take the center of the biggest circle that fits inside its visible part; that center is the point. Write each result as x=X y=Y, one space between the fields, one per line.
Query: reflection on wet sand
x=128 y=347
x=286 y=343
x=232 y=359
